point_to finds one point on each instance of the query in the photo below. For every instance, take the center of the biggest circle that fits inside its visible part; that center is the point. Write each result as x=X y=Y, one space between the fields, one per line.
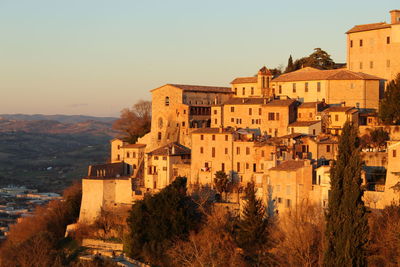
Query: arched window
x=159 y=136
x=167 y=100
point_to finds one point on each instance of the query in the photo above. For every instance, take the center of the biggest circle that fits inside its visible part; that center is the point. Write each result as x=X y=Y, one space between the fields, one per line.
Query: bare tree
x=301 y=233
x=135 y=122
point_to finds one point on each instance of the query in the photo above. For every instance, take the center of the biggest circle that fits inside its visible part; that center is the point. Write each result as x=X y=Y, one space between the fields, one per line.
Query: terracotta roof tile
x=213 y=131
x=133 y=146
x=303 y=123
x=281 y=103
x=312 y=74
x=289 y=165
x=200 y=88
x=339 y=109
x=167 y=150
x=244 y=80
x=246 y=101
x=369 y=27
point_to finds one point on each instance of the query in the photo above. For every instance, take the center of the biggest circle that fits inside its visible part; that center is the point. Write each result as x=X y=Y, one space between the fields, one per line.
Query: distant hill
x=67 y=125
x=49 y=152
x=59 y=118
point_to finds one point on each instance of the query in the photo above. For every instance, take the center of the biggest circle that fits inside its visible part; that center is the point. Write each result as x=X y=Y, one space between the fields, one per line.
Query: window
x=213 y=152
x=299 y=115
x=232 y=109
x=213 y=137
x=371 y=64
x=118 y=157
x=388 y=40
x=237 y=150
x=159 y=136
x=215 y=121
x=313 y=131
x=156 y=158
x=288 y=190
x=238 y=167
x=215 y=112
x=226 y=151
x=271 y=116
x=206 y=164
x=294 y=87
x=235 y=91
x=250 y=111
x=262 y=153
x=247 y=166
x=133 y=154
x=306 y=87
x=328 y=148
x=243 y=91
x=226 y=137
x=318 y=86
x=201 y=137
x=351 y=43
x=336 y=117
x=167 y=100
x=252 y=90
x=310 y=115
x=361 y=65
x=201 y=150
x=277 y=116
x=127 y=155
x=232 y=119
x=223 y=167
x=262 y=166
x=183 y=124
x=361 y=42
x=247 y=150
x=288 y=203
x=394 y=153
x=280 y=89
x=259 y=111
x=164 y=158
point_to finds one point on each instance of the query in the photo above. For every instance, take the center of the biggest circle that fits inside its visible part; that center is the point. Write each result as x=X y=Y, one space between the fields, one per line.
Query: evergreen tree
x=389 y=107
x=221 y=182
x=158 y=220
x=320 y=59
x=290 y=66
x=347 y=226
x=252 y=233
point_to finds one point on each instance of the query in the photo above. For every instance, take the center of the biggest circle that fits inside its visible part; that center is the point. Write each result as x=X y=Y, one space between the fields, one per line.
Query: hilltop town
x=279 y=132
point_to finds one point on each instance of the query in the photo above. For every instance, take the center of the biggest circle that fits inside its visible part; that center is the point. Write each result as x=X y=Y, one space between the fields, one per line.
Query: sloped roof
x=289 y=165
x=245 y=101
x=309 y=104
x=244 y=80
x=312 y=74
x=303 y=123
x=167 y=150
x=133 y=146
x=200 y=88
x=281 y=102
x=338 y=109
x=369 y=27
x=213 y=131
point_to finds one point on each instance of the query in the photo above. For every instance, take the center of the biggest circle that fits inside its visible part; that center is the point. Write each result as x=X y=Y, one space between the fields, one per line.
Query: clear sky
x=95 y=57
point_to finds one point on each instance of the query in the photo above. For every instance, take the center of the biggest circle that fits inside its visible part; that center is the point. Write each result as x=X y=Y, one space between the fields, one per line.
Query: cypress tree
x=389 y=107
x=252 y=233
x=290 y=66
x=347 y=225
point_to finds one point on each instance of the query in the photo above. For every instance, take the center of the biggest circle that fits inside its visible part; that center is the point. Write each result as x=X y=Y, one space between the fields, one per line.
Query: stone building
x=375 y=48
x=332 y=86
x=178 y=109
x=254 y=86
x=164 y=164
x=291 y=183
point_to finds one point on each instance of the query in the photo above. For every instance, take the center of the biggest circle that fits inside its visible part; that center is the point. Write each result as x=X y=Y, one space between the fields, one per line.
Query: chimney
x=395 y=16
x=265 y=100
x=173 y=150
x=243 y=100
x=221 y=129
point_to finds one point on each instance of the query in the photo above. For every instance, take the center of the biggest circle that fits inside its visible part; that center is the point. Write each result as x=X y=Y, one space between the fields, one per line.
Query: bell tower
x=264 y=77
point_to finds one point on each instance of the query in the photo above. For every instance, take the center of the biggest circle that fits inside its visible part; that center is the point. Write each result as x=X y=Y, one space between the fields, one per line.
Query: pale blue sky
x=96 y=57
